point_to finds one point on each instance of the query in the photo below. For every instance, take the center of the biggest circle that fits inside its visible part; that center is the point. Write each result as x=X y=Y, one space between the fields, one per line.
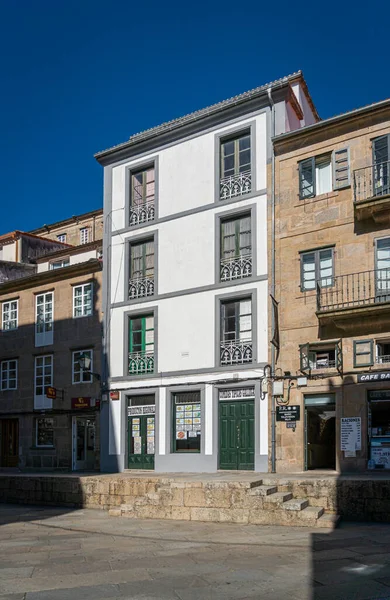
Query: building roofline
x=15 y=235
x=196 y=116
x=90 y=266
x=70 y=250
x=356 y=113
x=69 y=220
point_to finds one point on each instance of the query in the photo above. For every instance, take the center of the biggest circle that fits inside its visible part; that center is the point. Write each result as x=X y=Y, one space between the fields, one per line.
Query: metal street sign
x=288 y=413
x=291 y=425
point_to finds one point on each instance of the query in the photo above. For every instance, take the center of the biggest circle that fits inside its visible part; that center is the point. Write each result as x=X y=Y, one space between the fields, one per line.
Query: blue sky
x=78 y=76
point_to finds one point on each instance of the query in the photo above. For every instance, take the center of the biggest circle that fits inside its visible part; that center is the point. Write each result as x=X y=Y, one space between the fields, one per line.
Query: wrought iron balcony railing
x=236 y=352
x=371 y=182
x=236 y=268
x=354 y=290
x=235 y=185
x=384 y=358
x=141 y=362
x=142 y=213
x=322 y=364
x=140 y=287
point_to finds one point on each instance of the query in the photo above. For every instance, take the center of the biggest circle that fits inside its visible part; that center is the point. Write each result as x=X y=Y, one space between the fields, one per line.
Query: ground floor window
x=44 y=432
x=187 y=422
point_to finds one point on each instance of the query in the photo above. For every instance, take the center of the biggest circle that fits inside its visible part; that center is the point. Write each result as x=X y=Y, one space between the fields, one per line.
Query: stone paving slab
x=49 y=554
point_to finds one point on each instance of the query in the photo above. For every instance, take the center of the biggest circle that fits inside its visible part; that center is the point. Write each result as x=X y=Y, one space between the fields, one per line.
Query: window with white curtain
x=316 y=266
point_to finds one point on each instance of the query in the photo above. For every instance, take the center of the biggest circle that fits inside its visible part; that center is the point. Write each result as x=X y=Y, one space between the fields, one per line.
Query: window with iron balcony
x=236 y=249
x=236 y=345
x=141 y=282
x=235 y=166
x=142 y=196
x=141 y=345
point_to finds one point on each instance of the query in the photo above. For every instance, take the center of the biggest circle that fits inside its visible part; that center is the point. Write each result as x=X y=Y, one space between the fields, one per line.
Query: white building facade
x=186 y=286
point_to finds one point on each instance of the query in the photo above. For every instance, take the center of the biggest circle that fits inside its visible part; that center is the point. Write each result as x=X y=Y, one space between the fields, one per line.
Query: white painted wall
x=9 y=252
x=74 y=259
x=308 y=116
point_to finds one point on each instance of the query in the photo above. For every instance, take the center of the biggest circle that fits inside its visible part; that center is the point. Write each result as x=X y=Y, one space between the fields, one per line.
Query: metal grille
x=372 y=181
x=236 y=352
x=355 y=289
x=235 y=185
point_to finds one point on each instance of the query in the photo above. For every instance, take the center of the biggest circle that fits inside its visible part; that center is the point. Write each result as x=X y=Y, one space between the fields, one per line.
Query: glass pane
x=306 y=179
x=245 y=307
x=244 y=142
x=228 y=148
x=149 y=322
x=323 y=176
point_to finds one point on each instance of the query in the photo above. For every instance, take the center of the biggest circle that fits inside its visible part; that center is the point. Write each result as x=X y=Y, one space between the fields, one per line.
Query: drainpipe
x=273 y=407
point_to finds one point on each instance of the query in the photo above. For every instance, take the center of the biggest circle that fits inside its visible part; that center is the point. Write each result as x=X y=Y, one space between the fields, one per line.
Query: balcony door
x=380 y=149
x=382 y=262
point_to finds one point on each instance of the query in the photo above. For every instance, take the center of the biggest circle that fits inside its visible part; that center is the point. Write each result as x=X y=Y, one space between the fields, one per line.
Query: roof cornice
x=91 y=266
x=183 y=126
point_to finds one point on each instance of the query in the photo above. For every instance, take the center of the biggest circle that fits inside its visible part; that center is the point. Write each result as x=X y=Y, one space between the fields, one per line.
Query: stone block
x=181 y=513
x=153 y=512
x=194 y=497
x=219 y=497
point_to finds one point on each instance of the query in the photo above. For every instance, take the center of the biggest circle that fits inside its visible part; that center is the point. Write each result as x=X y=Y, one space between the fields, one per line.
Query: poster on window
x=181 y=435
x=138 y=445
x=150 y=445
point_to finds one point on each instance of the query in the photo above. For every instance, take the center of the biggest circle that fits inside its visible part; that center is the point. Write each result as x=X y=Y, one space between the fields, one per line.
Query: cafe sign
x=373 y=377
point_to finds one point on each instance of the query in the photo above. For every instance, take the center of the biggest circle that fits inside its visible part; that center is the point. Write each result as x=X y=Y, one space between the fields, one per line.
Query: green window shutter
x=363 y=353
x=307 y=178
x=339 y=356
x=304 y=352
x=341 y=169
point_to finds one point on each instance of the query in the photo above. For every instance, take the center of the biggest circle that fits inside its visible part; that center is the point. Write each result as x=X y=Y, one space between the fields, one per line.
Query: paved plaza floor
x=62 y=554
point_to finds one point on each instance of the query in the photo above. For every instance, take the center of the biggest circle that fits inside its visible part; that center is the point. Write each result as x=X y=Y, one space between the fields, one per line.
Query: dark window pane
x=244 y=142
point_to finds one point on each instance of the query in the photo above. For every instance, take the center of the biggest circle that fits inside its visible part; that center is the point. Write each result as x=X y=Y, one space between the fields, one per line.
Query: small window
x=84 y=235
x=363 y=353
x=9 y=315
x=142 y=196
x=383 y=352
x=321 y=174
x=43 y=378
x=236 y=177
x=317 y=266
x=141 y=282
x=44 y=432
x=82 y=300
x=187 y=422
x=141 y=345
x=236 y=344
x=62 y=238
x=44 y=319
x=236 y=248
x=314 y=357
x=79 y=375
x=59 y=264
x=9 y=374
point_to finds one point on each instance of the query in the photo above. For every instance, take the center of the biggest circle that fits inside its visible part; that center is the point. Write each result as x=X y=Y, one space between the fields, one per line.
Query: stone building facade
x=332 y=285
x=50 y=321
x=80 y=229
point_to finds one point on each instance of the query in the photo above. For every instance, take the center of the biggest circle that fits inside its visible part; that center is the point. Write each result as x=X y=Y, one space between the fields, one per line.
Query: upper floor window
x=58 y=264
x=44 y=319
x=321 y=174
x=141 y=345
x=9 y=374
x=141 y=269
x=79 y=375
x=82 y=300
x=62 y=238
x=43 y=379
x=317 y=266
x=9 y=315
x=236 y=344
x=236 y=172
x=236 y=248
x=84 y=235
x=142 y=196
x=326 y=355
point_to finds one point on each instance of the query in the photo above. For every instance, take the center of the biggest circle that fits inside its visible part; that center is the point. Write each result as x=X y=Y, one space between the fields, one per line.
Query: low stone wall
x=352 y=499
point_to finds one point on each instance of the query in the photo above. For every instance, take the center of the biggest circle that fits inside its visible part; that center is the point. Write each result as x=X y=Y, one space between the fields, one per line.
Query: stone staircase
x=224 y=501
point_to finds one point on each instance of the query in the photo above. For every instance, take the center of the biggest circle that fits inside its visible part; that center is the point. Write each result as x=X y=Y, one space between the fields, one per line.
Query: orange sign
x=81 y=402
x=114 y=395
x=51 y=392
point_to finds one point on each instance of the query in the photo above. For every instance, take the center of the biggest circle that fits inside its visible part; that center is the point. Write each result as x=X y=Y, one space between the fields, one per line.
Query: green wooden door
x=237 y=435
x=141 y=442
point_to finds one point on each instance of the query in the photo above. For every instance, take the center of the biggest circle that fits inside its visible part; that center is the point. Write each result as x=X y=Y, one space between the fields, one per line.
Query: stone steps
x=224 y=501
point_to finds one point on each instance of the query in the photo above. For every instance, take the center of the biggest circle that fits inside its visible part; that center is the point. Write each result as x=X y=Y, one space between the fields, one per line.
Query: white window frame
x=84 y=235
x=82 y=285
x=80 y=371
x=6 y=364
x=60 y=264
x=40 y=400
x=9 y=310
x=36 y=432
x=45 y=337
x=61 y=238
